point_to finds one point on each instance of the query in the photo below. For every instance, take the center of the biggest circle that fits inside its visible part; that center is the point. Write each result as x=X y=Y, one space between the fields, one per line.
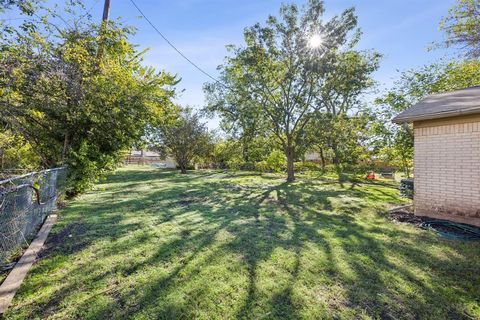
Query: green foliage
x=307 y=166
x=88 y=163
x=395 y=145
x=228 y=154
x=342 y=138
x=275 y=162
x=278 y=80
x=185 y=138
x=79 y=96
x=235 y=163
x=458 y=75
x=27 y=7
x=16 y=153
x=238 y=154
x=462 y=27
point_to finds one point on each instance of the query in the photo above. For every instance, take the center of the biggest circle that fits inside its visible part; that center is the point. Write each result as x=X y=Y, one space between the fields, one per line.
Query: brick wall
x=447 y=169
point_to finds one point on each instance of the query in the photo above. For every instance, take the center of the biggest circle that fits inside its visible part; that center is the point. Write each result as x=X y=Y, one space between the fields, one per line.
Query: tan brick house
x=447 y=155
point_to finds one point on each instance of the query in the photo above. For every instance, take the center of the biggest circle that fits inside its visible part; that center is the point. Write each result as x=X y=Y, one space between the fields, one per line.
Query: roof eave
x=431 y=116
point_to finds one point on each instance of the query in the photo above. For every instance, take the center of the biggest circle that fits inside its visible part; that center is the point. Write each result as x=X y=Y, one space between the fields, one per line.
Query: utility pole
x=106 y=11
x=106 y=14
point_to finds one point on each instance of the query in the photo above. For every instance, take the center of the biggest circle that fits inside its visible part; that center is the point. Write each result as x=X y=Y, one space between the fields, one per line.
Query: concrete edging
x=15 y=278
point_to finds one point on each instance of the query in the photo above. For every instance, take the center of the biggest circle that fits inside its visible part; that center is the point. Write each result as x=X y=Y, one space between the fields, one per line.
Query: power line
x=174 y=47
x=11 y=19
x=88 y=11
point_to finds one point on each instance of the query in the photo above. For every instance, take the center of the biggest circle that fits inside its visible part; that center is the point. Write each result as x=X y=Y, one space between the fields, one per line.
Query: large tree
x=344 y=113
x=73 y=105
x=462 y=27
x=277 y=77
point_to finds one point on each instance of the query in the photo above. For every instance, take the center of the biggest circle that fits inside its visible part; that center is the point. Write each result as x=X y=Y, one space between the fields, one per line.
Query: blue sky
x=399 y=29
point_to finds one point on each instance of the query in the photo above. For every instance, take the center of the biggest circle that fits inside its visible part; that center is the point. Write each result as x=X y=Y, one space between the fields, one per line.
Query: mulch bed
x=406 y=216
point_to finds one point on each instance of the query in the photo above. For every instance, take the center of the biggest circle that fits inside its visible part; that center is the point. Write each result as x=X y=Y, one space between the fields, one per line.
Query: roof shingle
x=443 y=105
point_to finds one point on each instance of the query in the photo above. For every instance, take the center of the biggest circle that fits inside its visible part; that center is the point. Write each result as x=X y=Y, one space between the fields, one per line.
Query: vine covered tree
x=72 y=105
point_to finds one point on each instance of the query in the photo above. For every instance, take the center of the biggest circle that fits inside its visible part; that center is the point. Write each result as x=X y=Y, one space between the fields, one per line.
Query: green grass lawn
x=149 y=244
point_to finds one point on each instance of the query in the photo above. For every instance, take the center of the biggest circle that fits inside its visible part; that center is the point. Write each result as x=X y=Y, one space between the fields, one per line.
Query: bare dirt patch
x=72 y=236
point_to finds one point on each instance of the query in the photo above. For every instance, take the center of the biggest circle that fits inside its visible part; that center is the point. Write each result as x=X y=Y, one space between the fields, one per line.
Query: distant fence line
x=25 y=202
x=149 y=160
x=139 y=160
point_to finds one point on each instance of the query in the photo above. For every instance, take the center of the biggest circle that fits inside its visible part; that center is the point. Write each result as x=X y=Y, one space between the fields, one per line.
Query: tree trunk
x=142 y=157
x=65 y=147
x=336 y=157
x=183 y=166
x=290 y=159
x=322 y=159
x=406 y=168
x=245 y=147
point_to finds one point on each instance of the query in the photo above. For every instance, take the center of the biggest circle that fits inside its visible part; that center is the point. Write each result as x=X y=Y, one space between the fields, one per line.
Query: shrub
x=306 y=166
x=276 y=161
x=235 y=163
x=248 y=166
x=261 y=166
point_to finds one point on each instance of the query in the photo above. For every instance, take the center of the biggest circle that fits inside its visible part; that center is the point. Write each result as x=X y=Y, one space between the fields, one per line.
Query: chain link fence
x=25 y=202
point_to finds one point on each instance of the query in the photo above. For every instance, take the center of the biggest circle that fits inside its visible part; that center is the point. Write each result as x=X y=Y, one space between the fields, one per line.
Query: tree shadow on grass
x=280 y=252
x=365 y=255
x=369 y=257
